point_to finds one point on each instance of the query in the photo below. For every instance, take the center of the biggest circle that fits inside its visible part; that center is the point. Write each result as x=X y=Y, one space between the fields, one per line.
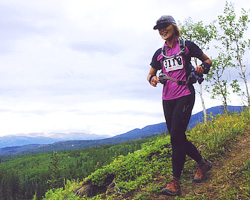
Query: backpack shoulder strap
x=182 y=44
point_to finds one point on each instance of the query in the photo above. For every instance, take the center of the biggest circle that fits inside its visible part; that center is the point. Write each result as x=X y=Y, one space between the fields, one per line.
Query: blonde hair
x=176 y=30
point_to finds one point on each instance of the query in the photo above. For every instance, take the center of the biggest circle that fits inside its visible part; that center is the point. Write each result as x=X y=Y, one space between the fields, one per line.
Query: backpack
x=192 y=77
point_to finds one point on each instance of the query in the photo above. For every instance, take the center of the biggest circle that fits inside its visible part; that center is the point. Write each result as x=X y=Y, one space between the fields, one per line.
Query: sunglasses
x=163 y=26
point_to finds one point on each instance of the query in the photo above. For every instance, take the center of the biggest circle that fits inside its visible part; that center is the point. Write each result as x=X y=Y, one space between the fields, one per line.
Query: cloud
x=82 y=65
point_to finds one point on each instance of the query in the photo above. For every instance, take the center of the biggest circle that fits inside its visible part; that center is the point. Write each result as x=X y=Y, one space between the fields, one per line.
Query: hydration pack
x=181 y=52
x=192 y=77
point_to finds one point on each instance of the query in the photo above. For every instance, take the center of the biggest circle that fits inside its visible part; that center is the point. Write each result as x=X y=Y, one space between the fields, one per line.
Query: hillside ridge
x=224 y=141
x=224 y=175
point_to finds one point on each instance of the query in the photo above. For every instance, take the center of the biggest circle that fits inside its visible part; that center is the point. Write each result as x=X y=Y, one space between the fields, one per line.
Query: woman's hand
x=154 y=81
x=205 y=66
x=199 y=70
x=152 y=78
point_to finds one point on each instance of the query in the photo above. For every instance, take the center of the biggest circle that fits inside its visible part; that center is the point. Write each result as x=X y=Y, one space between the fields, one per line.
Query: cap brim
x=157 y=26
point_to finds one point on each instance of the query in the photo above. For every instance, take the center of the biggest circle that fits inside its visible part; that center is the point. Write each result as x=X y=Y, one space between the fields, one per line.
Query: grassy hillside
x=142 y=174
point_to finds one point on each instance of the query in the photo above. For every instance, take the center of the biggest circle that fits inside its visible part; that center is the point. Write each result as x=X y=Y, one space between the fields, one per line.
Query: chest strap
x=163 y=79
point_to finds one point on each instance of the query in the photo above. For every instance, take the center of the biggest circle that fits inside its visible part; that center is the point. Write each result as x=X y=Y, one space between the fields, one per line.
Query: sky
x=81 y=66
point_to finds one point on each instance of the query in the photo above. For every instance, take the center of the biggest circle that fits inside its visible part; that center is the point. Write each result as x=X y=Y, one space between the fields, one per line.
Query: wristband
x=150 y=78
x=206 y=67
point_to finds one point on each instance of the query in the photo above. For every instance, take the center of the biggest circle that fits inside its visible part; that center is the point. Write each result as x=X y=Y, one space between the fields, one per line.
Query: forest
x=27 y=175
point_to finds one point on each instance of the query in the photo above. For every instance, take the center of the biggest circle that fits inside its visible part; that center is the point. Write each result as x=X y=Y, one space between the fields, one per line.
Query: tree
x=234 y=44
x=218 y=86
x=6 y=187
x=15 y=184
x=202 y=36
x=1 y=183
x=55 y=179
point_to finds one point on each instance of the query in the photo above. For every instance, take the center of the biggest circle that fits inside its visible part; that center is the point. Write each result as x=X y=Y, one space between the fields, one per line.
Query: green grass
x=137 y=171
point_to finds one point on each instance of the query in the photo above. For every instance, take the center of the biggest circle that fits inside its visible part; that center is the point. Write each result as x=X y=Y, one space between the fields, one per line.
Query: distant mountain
x=156 y=129
x=76 y=136
x=134 y=134
x=42 y=138
x=8 y=141
x=198 y=117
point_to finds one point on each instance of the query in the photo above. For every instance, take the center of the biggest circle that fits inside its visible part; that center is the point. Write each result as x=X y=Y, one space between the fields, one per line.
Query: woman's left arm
x=205 y=65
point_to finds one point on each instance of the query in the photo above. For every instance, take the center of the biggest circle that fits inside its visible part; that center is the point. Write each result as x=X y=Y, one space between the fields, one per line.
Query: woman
x=178 y=96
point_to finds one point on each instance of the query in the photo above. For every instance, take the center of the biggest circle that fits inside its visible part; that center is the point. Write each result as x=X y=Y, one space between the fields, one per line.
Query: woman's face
x=167 y=32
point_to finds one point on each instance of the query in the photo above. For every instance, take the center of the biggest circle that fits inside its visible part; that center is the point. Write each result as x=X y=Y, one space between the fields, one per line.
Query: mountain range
x=26 y=144
x=43 y=138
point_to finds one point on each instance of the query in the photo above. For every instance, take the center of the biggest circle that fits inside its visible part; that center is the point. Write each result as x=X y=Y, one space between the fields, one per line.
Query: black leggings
x=177 y=113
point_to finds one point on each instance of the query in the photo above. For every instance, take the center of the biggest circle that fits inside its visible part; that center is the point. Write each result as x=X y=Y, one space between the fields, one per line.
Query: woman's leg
x=177 y=114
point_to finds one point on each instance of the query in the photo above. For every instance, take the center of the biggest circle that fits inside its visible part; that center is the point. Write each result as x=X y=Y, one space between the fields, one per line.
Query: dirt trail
x=222 y=176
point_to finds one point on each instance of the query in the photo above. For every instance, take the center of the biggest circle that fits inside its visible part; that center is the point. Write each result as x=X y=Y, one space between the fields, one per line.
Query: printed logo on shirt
x=172 y=64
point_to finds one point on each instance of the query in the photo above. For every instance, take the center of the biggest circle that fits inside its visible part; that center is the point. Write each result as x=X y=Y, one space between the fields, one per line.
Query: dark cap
x=165 y=19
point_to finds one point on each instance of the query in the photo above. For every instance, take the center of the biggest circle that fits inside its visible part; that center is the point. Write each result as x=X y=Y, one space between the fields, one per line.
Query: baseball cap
x=165 y=19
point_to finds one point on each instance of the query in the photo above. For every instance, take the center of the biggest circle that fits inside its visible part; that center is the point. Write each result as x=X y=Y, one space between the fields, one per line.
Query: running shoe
x=202 y=171
x=173 y=188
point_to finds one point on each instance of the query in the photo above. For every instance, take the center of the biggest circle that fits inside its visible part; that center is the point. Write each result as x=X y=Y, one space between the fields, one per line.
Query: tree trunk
x=203 y=105
x=242 y=73
x=245 y=81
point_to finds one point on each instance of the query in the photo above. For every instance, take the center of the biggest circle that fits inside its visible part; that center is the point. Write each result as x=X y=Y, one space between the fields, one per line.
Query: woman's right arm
x=152 y=78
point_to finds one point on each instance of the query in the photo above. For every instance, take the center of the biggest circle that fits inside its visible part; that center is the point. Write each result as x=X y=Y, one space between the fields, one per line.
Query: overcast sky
x=81 y=66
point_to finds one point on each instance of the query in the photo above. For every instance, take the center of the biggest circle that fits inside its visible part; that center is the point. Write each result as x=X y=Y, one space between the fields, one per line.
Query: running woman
x=178 y=96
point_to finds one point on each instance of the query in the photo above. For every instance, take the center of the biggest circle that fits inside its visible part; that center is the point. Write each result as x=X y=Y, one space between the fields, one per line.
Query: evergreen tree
x=55 y=178
x=15 y=184
x=7 y=187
